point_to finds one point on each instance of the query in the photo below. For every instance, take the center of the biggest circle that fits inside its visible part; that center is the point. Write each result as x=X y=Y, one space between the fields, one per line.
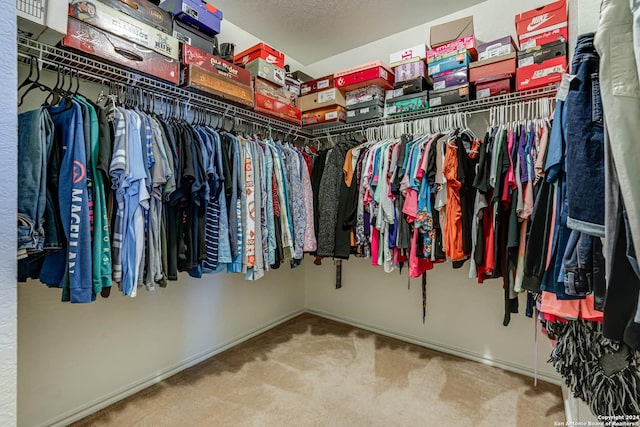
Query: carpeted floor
x=311 y=371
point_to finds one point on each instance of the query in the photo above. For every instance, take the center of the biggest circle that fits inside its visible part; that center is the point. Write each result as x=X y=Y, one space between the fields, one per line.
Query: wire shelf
x=463 y=107
x=101 y=72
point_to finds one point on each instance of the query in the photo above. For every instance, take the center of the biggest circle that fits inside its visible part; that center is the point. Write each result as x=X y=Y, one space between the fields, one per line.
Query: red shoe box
x=313 y=86
x=278 y=109
x=335 y=113
x=195 y=56
x=202 y=79
x=539 y=75
x=492 y=86
x=505 y=64
x=97 y=42
x=261 y=50
x=378 y=76
x=542 y=25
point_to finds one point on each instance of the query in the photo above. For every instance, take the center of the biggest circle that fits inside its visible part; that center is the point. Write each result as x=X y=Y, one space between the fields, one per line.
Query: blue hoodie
x=73 y=197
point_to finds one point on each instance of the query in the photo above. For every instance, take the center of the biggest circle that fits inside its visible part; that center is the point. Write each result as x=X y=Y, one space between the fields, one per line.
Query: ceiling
x=312 y=30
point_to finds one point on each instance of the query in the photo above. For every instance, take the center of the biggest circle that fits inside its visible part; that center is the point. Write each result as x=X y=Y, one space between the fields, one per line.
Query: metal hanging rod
x=100 y=72
x=477 y=106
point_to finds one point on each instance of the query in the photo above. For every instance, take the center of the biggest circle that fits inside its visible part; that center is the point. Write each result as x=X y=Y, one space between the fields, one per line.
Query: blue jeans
x=35 y=138
x=585 y=142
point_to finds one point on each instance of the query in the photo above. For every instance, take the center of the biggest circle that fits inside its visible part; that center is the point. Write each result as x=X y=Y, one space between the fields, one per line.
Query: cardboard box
x=293 y=85
x=449 y=63
x=316 y=85
x=492 y=86
x=505 y=64
x=188 y=35
x=268 y=71
x=357 y=69
x=407 y=104
x=322 y=99
x=542 y=25
x=144 y=11
x=261 y=50
x=539 y=75
x=453 y=48
x=451 y=31
x=417 y=85
x=193 y=55
x=378 y=76
x=201 y=15
x=451 y=78
x=365 y=113
x=99 y=43
x=126 y=27
x=303 y=77
x=202 y=79
x=278 y=109
x=410 y=70
x=539 y=54
x=450 y=96
x=355 y=98
x=332 y=114
x=273 y=91
x=499 y=47
x=400 y=57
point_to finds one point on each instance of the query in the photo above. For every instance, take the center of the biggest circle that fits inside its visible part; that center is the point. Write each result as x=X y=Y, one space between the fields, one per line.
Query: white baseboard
x=507 y=366
x=111 y=398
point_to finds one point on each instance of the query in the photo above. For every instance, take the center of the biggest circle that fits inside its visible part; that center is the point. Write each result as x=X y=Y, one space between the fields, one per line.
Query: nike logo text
x=538 y=21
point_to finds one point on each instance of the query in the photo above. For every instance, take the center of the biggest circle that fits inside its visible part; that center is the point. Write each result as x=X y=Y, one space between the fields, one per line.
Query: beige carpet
x=311 y=371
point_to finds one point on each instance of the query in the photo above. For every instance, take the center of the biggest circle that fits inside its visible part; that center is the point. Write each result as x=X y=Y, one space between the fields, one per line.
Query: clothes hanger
x=33 y=84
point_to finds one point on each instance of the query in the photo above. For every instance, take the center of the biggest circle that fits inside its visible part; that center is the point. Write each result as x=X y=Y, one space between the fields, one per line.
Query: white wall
x=8 y=212
x=463 y=317
x=231 y=33
x=75 y=359
x=492 y=19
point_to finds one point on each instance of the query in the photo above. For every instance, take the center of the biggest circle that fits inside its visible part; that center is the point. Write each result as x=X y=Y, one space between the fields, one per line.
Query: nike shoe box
x=144 y=11
x=365 y=96
x=414 y=53
x=450 y=96
x=278 y=109
x=495 y=85
x=369 y=112
x=542 y=25
x=324 y=115
x=539 y=75
x=316 y=85
x=453 y=48
x=260 y=51
x=505 y=64
x=539 y=54
x=200 y=14
x=266 y=70
x=451 y=78
x=322 y=99
x=499 y=47
x=375 y=73
x=459 y=60
x=410 y=70
x=407 y=104
x=193 y=56
x=98 y=43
